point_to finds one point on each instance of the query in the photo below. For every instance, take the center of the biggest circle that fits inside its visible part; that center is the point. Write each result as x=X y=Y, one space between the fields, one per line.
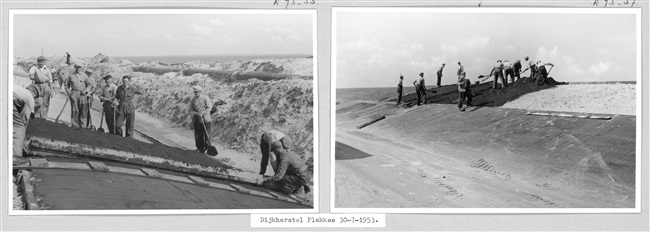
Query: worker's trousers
x=125 y=111
x=202 y=135
x=109 y=115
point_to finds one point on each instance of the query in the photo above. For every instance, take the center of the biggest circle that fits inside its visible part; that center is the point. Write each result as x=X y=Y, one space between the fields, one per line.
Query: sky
x=373 y=48
x=162 y=35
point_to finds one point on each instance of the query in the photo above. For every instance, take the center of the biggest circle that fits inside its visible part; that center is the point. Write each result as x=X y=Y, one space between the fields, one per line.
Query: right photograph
x=503 y=110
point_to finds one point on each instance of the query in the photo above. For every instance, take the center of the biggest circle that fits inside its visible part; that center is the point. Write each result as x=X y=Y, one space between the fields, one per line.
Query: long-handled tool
x=212 y=151
x=89 y=120
x=64 y=104
x=101 y=123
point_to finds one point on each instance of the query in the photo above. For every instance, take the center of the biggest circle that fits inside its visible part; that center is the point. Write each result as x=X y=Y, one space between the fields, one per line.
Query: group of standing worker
x=34 y=100
x=501 y=71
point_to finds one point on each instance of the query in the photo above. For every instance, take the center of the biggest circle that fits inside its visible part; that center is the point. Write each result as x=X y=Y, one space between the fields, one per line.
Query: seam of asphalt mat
x=147 y=173
x=603 y=147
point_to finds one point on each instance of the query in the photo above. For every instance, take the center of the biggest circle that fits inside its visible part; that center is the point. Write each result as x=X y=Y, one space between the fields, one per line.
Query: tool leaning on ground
x=62 y=108
x=101 y=123
x=89 y=121
x=212 y=151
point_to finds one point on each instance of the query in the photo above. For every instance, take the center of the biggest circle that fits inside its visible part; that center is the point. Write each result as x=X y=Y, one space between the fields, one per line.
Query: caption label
x=318 y=220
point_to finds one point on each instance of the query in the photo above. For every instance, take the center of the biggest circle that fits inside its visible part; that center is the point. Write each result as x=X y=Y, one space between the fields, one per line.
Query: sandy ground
x=592 y=98
x=436 y=157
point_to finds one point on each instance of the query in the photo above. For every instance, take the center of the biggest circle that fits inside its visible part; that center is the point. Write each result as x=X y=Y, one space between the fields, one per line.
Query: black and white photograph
x=499 y=110
x=173 y=110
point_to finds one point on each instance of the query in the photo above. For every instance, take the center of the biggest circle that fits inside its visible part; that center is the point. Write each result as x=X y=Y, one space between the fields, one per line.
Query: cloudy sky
x=162 y=35
x=373 y=48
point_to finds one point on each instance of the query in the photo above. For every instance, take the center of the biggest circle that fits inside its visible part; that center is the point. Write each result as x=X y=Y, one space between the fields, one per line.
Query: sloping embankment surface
x=485 y=157
x=46 y=129
x=484 y=95
x=593 y=98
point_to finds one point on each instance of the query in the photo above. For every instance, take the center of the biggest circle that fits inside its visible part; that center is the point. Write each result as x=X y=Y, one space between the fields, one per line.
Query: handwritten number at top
x=293 y=2
x=611 y=3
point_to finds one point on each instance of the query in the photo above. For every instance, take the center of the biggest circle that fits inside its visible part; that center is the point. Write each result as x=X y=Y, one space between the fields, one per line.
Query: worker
x=460 y=70
x=531 y=66
x=464 y=92
x=23 y=109
x=291 y=174
x=200 y=107
x=88 y=98
x=439 y=74
x=67 y=58
x=516 y=70
x=420 y=89
x=542 y=74
x=268 y=138
x=107 y=96
x=77 y=85
x=41 y=77
x=399 y=89
x=497 y=72
x=125 y=109
x=507 y=71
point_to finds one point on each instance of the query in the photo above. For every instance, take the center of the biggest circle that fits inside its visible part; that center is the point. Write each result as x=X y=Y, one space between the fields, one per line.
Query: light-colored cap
x=197 y=88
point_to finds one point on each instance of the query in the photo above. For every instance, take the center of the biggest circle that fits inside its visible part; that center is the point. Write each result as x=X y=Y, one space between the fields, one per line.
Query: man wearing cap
x=77 y=85
x=125 y=110
x=507 y=71
x=291 y=174
x=107 y=96
x=200 y=107
x=542 y=73
x=532 y=67
x=42 y=86
x=87 y=98
x=439 y=73
x=497 y=72
x=516 y=70
x=420 y=89
x=23 y=108
x=268 y=138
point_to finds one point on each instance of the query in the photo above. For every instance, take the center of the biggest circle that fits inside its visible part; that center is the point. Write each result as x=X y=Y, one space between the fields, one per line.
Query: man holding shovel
x=125 y=111
x=200 y=107
x=77 y=86
x=107 y=96
x=41 y=77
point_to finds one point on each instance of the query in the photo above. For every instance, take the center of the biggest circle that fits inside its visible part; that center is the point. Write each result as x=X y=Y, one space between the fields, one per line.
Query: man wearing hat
x=78 y=85
x=125 y=110
x=268 y=138
x=42 y=86
x=291 y=174
x=420 y=89
x=200 y=107
x=400 y=88
x=23 y=108
x=88 y=98
x=107 y=96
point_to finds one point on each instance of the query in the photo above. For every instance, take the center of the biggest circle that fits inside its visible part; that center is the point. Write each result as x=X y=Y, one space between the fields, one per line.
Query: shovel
x=89 y=121
x=101 y=123
x=212 y=151
x=64 y=104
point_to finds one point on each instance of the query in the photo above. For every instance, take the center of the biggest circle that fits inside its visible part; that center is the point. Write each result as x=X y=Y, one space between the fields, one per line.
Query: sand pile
x=484 y=95
x=243 y=110
x=596 y=98
x=296 y=66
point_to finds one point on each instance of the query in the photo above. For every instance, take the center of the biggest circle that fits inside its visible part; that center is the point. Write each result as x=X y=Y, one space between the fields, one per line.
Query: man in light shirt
x=42 y=86
x=497 y=72
x=77 y=86
x=200 y=107
x=531 y=66
x=107 y=96
x=420 y=89
x=23 y=108
x=507 y=71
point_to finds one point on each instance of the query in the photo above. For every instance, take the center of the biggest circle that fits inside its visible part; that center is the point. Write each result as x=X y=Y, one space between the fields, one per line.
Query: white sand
x=596 y=98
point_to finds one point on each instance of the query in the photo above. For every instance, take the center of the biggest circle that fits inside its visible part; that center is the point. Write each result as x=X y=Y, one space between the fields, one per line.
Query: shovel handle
x=62 y=108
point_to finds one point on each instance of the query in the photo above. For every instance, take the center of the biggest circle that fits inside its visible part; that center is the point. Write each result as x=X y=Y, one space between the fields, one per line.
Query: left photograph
x=189 y=110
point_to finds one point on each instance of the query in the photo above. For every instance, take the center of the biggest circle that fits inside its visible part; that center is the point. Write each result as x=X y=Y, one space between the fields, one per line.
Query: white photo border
x=315 y=122
x=528 y=10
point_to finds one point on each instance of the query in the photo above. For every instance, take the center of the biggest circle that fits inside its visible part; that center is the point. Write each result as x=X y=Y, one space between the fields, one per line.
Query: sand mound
x=596 y=98
x=295 y=66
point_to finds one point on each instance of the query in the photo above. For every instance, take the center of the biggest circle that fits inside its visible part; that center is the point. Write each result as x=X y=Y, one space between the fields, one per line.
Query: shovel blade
x=212 y=151
x=101 y=130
